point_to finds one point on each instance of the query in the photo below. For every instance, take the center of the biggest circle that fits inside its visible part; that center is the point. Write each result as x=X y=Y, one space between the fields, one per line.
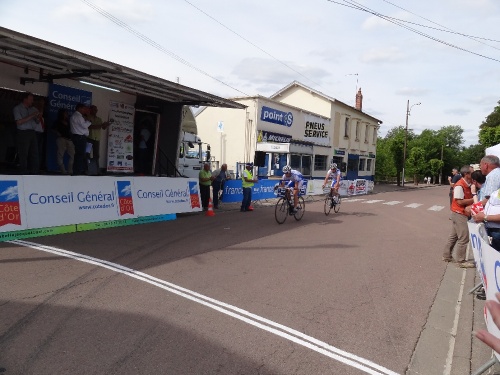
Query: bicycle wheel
x=336 y=207
x=328 y=205
x=302 y=209
x=281 y=210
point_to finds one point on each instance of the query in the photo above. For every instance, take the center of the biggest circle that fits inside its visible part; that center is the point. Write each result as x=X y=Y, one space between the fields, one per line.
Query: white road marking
x=373 y=201
x=413 y=205
x=280 y=330
x=435 y=208
x=392 y=203
x=354 y=200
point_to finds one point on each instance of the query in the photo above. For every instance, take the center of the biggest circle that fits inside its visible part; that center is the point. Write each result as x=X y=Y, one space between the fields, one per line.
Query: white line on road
x=373 y=201
x=435 y=208
x=280 y=330
x=413 y=205
x=353 y=200
x=392 y=203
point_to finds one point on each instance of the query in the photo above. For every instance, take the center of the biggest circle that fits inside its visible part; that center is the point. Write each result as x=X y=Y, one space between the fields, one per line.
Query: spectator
x=27 y=118
x=489 y=166
x=205 y=177
x=491 y=218
x=247 y=182
x=477 y=182
x=453 y=179
x=219 y=179
x=459 y=236
x=40 y=132
x=79 y=126
x=95 y=134
x=483 y=335
x=64 y=142
x=428 y=180
x=144 y=152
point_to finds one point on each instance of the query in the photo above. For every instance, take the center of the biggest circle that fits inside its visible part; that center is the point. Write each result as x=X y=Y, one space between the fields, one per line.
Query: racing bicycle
x=332 y=202
x=284 y=206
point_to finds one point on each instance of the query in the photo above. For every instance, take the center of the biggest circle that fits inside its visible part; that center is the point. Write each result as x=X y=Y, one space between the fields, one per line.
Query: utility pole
x=441 y=172
x=408 y=109
x=406 y=140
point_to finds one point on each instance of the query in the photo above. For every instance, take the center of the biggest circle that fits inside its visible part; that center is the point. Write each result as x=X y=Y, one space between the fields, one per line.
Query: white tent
x=493 y=150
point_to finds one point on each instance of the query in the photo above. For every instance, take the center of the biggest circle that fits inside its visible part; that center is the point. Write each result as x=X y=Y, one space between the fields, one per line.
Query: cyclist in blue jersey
x=334 y=175
x=292 y=179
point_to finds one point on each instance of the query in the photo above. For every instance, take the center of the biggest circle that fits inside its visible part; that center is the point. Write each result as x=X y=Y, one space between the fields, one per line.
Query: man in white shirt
x=79 y=132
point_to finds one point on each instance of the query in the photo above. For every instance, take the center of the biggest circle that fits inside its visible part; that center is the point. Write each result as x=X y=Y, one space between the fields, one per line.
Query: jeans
x=216 y=187
x=247 y=198
x=495 y=239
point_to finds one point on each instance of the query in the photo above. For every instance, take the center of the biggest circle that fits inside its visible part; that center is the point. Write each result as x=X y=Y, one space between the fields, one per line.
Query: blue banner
x=60 y=97
x=264 y=189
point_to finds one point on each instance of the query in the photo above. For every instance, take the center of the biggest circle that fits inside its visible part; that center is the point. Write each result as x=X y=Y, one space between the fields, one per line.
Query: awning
x=56 y=62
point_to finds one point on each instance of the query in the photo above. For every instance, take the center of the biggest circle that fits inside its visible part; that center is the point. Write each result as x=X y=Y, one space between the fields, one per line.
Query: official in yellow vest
x=247 y=182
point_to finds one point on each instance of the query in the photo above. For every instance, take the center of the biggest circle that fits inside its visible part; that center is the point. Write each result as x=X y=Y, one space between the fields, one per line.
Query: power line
x=251 y=43
x=358 y=6
x=152 y=43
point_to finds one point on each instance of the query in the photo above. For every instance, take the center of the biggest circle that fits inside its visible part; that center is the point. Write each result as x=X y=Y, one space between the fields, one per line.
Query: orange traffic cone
x=210 y=211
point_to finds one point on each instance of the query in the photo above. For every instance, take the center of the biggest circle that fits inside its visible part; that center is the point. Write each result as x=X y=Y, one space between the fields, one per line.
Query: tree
x=396 y=139
x=472 y=154
x=489 y=129
x=417 y=163
x=435 y=166
x=385 y=169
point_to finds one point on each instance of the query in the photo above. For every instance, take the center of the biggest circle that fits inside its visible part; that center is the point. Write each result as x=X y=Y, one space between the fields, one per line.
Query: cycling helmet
x=287 y=169
x=333 y=166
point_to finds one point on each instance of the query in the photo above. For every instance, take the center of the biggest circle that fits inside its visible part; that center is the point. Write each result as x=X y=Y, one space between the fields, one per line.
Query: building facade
x=297 y=126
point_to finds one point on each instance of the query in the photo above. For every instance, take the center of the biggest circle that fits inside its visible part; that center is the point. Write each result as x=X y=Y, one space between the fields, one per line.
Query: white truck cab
x=192 y=154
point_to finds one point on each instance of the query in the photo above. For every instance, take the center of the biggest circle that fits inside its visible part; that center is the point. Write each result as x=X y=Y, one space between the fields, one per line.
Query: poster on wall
x=121 y=138
x=60 y=98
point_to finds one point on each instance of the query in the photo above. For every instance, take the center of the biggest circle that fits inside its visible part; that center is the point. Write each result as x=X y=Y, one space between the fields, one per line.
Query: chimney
x=359 y=100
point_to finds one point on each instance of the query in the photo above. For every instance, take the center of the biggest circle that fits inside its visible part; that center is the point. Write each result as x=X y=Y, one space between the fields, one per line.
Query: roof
x=56 y=62
x=296 y=83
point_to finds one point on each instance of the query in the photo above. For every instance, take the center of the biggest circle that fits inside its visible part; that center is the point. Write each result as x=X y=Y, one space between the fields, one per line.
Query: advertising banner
x=80 y=199
x=360 y=186
x=488 y=266
x=121 y=138
x=153 y=196
x=12 y=208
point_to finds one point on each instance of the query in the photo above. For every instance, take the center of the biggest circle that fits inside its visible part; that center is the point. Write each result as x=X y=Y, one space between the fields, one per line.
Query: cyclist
x=333 y=174
x=293 y=179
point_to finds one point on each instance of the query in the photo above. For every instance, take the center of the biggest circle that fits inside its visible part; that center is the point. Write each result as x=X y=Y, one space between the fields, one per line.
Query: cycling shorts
x=293 y=184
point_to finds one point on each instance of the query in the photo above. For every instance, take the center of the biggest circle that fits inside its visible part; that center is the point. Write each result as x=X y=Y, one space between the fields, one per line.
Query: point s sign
x=276 y=117
x=10 y=212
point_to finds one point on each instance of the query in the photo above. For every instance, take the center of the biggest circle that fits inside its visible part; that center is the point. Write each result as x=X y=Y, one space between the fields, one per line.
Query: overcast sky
x=238 y=48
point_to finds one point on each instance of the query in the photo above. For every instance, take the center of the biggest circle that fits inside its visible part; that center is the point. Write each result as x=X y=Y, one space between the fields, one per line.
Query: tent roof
x=56 y=62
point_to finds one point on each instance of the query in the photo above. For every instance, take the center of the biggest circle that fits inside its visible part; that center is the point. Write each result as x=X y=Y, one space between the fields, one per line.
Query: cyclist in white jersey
x=335 y=176
x=293 y=179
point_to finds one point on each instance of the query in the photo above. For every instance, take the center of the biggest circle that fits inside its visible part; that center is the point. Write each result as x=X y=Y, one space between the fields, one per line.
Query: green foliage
x=417 y=163
x=435 y=166
x=489 y=130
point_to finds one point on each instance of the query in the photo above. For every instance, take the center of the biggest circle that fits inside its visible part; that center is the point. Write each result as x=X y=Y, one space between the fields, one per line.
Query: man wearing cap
x=247 y=182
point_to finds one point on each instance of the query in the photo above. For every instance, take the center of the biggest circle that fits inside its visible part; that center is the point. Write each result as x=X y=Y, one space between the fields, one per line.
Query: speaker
x=259 y=159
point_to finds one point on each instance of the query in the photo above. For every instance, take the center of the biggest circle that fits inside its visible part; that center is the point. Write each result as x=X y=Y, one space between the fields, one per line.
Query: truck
x=193 y=153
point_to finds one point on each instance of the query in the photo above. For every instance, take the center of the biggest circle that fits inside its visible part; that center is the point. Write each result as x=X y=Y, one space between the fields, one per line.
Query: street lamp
x=408 y=109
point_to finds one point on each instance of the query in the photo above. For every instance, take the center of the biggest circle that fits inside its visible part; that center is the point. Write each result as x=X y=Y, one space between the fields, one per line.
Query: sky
x=443 y=54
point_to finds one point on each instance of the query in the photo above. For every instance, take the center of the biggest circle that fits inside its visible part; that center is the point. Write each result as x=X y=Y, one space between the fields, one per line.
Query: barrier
x=264 y=189
x=488 y=267
x=31 y=206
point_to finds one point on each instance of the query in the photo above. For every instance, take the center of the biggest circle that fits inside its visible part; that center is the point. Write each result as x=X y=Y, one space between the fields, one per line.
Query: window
x=302 y=163
x=352 y=165
x=357 y=130
x=346 y=128
x=362 y=163
x=369 y=165
x=366 y=133
x=374 y=135
x=320 y=162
